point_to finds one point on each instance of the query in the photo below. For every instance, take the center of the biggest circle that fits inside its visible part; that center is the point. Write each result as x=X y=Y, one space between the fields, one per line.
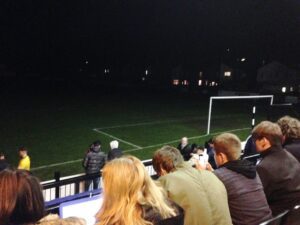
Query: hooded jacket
x=245 y=192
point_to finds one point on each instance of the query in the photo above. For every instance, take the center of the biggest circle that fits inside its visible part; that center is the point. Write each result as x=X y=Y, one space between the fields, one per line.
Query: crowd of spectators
x=227 y=190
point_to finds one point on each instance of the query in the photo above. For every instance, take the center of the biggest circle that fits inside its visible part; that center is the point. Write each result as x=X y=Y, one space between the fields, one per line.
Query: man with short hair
x=93 y=162
x=243 y=185
x=279 y=171
x=114 y=152
x=24 y=162
x=201 y=194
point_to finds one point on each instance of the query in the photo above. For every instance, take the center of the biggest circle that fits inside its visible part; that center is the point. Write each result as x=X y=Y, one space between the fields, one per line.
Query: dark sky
x=45 y=34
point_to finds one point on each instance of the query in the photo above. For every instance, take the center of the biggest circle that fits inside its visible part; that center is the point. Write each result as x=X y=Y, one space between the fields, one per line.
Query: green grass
x=59 y=128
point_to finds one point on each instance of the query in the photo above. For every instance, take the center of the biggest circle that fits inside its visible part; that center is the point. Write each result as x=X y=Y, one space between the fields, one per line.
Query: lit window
x=206 y=83
x=227 y=73
x=243 y=59
x=175 y=82
x=146 y=72
x=283 y=89
x=213 y=83
x=143 y=78
x=291 y=89
x=199 y=82
x=185 y=82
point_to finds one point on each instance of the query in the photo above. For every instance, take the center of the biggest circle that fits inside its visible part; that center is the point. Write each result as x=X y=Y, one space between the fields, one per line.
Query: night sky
x=51 y=35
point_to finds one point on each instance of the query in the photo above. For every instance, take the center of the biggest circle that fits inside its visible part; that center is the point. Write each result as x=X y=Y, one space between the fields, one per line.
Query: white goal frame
x=233 y=97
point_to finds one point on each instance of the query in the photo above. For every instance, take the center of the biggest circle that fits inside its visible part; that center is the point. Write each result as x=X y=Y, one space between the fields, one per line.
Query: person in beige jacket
x=200 y=193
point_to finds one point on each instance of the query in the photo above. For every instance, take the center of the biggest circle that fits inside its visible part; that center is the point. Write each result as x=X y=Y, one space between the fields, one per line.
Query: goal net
x=228 y=113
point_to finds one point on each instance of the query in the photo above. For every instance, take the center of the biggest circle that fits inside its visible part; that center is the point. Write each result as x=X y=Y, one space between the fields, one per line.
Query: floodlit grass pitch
x=57 y=133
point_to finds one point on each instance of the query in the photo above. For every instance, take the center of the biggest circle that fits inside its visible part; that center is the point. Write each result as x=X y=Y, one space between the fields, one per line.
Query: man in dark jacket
x=93 y=162
x=244 y=188
x=279 y=171
x=290 y=128
x=185 y=148
x=114 y=152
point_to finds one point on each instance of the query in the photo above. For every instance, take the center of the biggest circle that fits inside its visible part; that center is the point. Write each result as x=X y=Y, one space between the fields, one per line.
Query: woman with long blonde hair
x=132 y=198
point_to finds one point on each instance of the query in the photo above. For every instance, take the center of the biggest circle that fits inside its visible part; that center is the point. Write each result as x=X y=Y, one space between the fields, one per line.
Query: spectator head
x=227 y=148
x=290 y=128
x=114 y=144
x=21 y=199
x=166 y=159
x=23 y=152
x=2 y=156
x=266 y=134
x=53 y=219
x=197 y=149
x=184 y=142
x=209 y=144
x=97 y=143
x=127 y=187
x=96 y=146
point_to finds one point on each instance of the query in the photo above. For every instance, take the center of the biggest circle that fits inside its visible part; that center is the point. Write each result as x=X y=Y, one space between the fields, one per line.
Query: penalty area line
x=55 y=164
x=137 y=149
x=113 y=137
x=151 y=123
x=190 y=138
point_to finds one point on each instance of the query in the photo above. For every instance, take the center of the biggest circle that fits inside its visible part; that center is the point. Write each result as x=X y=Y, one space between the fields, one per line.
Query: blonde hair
x=229 y=144
x=53 y=219
x=127 y=188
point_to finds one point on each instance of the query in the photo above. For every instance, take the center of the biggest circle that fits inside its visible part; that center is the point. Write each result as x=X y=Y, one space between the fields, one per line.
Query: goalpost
x=235 y=97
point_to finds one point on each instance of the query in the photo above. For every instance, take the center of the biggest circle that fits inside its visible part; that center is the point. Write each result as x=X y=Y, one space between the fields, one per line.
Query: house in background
x=275 y=77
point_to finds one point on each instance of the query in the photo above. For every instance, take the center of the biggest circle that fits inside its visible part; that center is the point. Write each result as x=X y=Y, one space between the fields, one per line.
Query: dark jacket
x=293 y=147
x=245 y=193
x=3 y=164
x=114 y=153
x=185 y=151
x=94 y=161
x=151 y=215
x=279 y=172
x=250 y=147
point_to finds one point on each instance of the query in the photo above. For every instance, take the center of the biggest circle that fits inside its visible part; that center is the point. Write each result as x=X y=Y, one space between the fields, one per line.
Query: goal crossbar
x=233 y=97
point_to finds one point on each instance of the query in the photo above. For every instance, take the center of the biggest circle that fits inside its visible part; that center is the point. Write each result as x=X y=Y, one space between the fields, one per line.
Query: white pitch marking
x=135 y=149
x=55 y=164
x=113 y=137
x=190 y=138
x=150 y=123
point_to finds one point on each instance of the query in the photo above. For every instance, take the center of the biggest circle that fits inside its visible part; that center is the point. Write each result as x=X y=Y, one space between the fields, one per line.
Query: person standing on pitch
x=93 y=162
x=24 y=162
x=115 y=151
